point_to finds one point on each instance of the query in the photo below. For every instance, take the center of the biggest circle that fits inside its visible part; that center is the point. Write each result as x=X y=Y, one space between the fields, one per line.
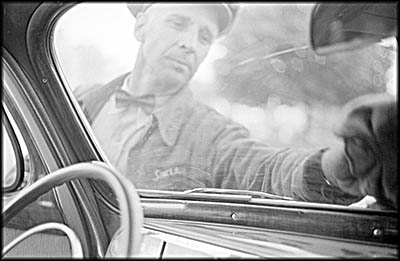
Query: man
x=155 y=133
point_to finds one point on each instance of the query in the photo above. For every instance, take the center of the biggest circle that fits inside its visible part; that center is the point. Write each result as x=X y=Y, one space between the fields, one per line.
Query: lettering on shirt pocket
x=180 y=177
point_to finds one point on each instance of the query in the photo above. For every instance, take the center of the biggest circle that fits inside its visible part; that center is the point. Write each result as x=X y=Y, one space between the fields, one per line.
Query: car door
x=33 y=164
x=197 y=223
x=45 y=150
x=274 y=81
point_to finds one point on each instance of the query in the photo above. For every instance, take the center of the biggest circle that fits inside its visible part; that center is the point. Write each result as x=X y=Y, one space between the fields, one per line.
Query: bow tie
x=123 y=100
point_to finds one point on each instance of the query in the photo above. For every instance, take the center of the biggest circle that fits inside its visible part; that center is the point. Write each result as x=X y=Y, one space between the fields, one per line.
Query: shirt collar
x=124 y=86
x=170 y=112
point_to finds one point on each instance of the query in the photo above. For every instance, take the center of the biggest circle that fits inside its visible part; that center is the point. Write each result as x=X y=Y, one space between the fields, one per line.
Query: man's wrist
x=314 y=181
x=335 y=166
x=323 y=183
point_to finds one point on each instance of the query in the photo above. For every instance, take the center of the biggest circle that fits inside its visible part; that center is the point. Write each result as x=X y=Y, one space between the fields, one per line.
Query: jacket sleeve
x=240 y=162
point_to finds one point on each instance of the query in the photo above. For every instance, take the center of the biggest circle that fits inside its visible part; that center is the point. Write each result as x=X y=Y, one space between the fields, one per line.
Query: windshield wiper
x=251 y=193
x=211 y=194
x=183 y=195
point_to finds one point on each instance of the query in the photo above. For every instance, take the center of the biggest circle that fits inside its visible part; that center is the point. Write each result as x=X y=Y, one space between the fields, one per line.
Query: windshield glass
x=176 y=102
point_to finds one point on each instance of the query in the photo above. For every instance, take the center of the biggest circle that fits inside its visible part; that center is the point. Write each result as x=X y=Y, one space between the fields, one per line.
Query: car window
x=263 y=76
x=9 y=175
x=14 y=152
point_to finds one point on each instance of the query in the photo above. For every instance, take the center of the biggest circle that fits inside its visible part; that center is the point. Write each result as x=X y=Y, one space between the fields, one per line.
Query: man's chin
x=172 y=82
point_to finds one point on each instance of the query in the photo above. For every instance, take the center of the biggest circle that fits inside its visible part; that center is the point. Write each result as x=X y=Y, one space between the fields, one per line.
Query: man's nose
x=188 y=40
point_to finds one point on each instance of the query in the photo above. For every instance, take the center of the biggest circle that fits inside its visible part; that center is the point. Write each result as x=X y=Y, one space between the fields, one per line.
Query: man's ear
x=141 y=19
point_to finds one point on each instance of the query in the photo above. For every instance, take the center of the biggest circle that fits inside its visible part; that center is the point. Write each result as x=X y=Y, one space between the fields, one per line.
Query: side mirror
x=339 y=27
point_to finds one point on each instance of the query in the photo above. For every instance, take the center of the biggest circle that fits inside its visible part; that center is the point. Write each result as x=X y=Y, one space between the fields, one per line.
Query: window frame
x=19 y=107
x=44 y=63
x=11 y=97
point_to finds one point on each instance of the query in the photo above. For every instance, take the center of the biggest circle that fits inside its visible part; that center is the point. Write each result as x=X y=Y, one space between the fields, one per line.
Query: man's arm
x=364 y=164
x=243 y=163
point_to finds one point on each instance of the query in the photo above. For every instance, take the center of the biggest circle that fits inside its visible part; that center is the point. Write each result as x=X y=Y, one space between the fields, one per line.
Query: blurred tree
x=251 y=72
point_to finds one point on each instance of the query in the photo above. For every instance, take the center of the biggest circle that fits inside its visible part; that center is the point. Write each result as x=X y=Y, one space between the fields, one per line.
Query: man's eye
x=204 y=38
x=177 y=24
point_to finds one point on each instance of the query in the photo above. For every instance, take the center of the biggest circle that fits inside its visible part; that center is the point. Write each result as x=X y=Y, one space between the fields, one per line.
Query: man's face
x=175 y=40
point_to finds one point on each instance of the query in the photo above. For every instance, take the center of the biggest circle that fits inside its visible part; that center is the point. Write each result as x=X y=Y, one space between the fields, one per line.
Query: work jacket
x=190 y=145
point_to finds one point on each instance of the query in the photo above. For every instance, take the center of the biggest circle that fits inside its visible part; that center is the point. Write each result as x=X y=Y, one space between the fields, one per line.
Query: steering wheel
x=128 y=198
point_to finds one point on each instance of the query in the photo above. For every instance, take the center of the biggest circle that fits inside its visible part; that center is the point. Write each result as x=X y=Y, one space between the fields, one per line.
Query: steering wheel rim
x=75 y=243
x=129 y=201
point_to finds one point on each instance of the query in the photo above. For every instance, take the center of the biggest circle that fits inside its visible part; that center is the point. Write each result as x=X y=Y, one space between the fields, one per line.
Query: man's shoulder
x=211 y=117
x=92 y=97
x=85 y=90
x=205 y=111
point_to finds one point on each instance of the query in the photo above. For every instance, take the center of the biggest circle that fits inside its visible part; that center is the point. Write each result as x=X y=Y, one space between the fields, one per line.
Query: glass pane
x=247 y=104
x=13 y=171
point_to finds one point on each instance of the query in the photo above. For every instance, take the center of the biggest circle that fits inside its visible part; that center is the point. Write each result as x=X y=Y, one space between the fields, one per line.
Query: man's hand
x=366 y=162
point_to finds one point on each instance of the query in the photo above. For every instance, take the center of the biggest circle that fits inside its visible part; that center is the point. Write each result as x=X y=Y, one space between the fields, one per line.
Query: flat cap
x=227 y=13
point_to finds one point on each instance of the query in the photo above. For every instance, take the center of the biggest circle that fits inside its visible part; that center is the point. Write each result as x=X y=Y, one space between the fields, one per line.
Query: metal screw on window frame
x=377 y=232
x=234 y=216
